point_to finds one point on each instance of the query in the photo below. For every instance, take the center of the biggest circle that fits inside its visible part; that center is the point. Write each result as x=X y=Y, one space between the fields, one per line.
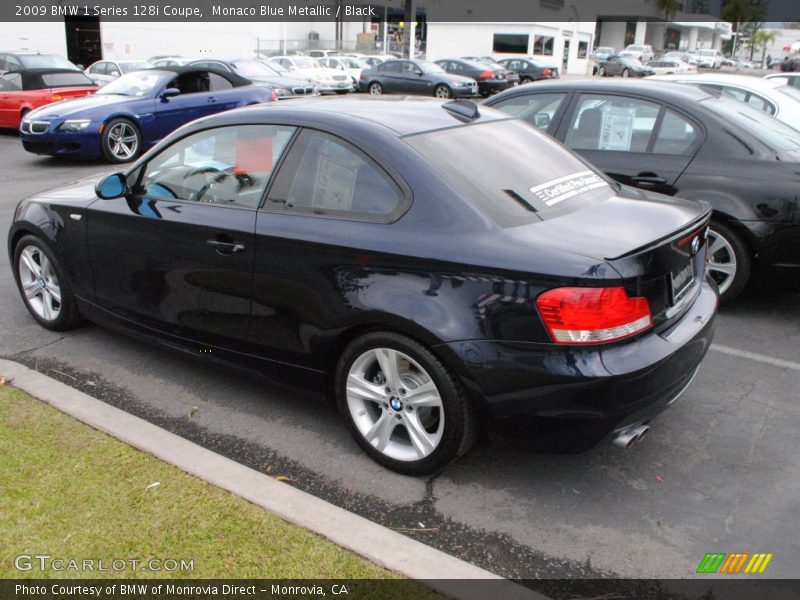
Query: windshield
x=352 y=63
x=513 y=173
x=429 y=67
x=252 y=68
x=707 y=52
x=770 y=131
x=306 y=63
x=66 y=79
x=128 y=67
x=273 y=64
x=45 y=61
x=138 y=83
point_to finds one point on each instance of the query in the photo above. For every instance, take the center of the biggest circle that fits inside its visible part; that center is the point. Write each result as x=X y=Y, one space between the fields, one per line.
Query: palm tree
x=763 y=38
x=669 y=8
x=741 y=12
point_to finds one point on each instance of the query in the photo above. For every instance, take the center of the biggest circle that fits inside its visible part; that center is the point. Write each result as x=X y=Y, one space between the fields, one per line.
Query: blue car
x=135 y=111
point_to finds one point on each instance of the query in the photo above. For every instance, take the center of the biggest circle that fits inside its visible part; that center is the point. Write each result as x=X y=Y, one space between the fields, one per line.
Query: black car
x=624 y=66
x=513 y=76
x=418 y=77
x=529 y=69
x=260 y=73
x=684 y=141
x=436 y=266
x=490 y=79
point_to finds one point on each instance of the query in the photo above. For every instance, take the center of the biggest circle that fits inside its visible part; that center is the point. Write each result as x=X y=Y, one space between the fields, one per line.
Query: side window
x=11 y=82
x=740 y=95
x=218 y=82
x=612 y=123
x=409 y=68
x=98 y=68
x=228 y=166
x=675 y=136
x=537 y=109
x=760 y=103
x=324 y=175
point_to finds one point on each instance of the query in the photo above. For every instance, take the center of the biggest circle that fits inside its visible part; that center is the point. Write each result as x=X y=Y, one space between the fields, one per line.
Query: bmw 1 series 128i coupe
x=434 y=265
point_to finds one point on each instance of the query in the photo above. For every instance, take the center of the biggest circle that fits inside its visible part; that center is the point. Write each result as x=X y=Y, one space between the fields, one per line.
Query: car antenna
x=462 y=109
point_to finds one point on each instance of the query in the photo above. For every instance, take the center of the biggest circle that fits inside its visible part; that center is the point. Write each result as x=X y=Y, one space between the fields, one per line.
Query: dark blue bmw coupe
x=135 y=111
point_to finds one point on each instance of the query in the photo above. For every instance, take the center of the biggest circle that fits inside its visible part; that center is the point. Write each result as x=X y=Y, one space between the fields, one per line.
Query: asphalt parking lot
x=719 y=472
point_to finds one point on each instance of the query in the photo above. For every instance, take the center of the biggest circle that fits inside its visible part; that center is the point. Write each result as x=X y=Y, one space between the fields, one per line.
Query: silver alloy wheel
x=625 y=73
x=442 y=92
x=375 y=89
x=601 y=71
x=39 y=283
x=720 y=260
x=123 y=141
x=395 y=404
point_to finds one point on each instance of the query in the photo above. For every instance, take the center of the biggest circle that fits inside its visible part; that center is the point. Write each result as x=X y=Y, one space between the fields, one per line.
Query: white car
x=324 y=78
x=666 y=66
x=643 y=52
x=771 y=96
x=106 y=71
x=171 y=61
x=322 y=53
x=351 y=66
x=709 y=59
x=792 y=79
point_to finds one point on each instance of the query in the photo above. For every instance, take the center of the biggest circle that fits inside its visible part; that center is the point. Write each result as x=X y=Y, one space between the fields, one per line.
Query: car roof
x=667 y=90
x=238 y=80
x=403 y=115
x=745 y=81
x=42 y=71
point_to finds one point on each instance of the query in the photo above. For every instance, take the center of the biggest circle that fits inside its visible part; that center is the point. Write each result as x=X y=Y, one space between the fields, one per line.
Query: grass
x=70 y=491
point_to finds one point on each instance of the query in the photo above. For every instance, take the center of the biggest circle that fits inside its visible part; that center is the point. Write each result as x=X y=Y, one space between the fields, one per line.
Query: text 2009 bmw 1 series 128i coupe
x=437 y=267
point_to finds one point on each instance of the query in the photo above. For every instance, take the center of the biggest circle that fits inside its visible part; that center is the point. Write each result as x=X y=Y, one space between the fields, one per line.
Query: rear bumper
x=610 y=387
x=490 y=86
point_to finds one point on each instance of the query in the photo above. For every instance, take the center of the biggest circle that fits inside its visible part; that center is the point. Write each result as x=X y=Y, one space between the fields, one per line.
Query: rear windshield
x=45 y=61
x=65 y=79
x=760 y=125
x=513 y=173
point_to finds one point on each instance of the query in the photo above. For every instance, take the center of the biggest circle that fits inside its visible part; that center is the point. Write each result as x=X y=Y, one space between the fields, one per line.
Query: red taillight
x=486 y=75
x=577 y=315
x=546 y=72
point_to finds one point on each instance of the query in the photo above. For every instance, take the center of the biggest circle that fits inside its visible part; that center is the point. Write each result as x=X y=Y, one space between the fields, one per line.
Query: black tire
x=375 y=89
x=68 y=316
x=460 y=428
x=626 y=73
x=601 y=71
x=442 y=91
x=526 y=80
x=107 y=145
x=742 y=255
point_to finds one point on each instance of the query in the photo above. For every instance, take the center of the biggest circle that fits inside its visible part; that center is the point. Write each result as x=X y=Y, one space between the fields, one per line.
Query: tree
x=763 y=38
x=742 y=12
x=669 y=8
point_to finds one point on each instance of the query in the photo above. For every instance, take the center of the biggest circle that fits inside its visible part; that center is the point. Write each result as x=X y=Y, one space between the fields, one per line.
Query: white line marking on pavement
x=767 y=360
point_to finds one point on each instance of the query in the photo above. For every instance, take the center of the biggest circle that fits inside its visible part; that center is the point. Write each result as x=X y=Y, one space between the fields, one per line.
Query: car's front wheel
x=43 y=286
x=626 y=73
x=728 y=260
x=601 y=71
x=442 y=91
x=375 y=89
x=121 y=141
x=402 y=405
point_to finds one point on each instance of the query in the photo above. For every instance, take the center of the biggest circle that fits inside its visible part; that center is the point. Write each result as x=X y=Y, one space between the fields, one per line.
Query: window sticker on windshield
x=617 y=129
x=557 y=190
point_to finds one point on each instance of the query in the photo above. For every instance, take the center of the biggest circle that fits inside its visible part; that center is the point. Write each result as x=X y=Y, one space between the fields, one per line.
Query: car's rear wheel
x=442 y=91
x=526 y=80
x=43 y=286
x=728 y=260
x=402 y=405
x=121 y=141
x=375 y=89
x=626 y=73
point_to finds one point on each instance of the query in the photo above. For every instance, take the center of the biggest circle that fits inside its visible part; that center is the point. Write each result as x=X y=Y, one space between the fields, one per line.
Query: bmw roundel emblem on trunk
x=695 y=245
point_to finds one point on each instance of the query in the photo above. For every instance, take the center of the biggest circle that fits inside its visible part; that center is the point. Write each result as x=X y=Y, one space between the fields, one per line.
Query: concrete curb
x=410 y=558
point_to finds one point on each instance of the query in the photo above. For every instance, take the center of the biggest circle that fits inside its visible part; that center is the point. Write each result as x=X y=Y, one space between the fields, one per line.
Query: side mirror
x=169 y=93
x=112 y=186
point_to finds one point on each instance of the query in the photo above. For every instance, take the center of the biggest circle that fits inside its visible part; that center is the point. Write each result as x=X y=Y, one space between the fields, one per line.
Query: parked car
x=260 y=73
x=642 y=52
x=437 y=266
x=602 y=53
x=490 y=80
x=135 y=111
x=769 y=95
x=374 y=60
x=682 y=140
x=530 y=69
x=668 y=67
x=677 y=55
x=26 y=90
x=17 y=61
x=512 y=76
x=346 y=64
x=105 y=71
x=326 y=80
x=624 y=66
x=170 y=61
x=322 y=53
x=790 y=79
x=418 y=77
x=709 y=59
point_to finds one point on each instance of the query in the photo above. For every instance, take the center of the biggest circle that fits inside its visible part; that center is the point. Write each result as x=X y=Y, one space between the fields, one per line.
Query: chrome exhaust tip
x=630 y=436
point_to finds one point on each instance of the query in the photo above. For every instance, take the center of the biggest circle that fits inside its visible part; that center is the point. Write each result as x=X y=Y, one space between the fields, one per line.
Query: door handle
x=212 y=100
x=226 y=247
x=646 y=179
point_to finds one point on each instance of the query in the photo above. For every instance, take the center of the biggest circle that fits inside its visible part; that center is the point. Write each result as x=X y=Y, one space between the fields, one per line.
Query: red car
x=22 y=91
